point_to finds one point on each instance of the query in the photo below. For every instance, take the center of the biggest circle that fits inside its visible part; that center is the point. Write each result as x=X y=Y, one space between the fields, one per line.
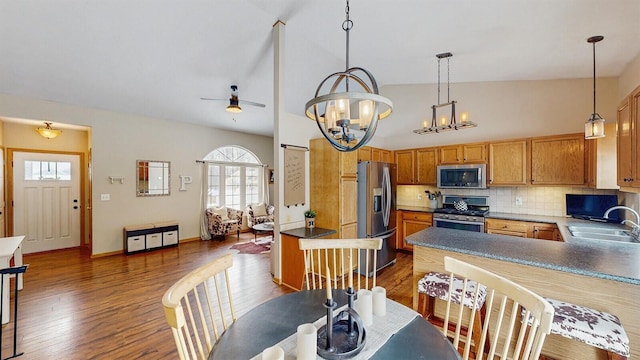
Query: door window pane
x=47 y=170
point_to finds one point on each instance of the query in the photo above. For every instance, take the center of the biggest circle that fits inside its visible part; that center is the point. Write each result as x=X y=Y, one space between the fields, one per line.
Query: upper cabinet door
x=461 y=154
x=508 y=163
x=426 y=164
x=558 y=160
x=474 y=153
x=405 y=170
x=451 y=154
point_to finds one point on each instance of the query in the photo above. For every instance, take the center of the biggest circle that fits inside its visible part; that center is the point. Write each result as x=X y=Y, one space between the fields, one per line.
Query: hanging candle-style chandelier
x=443 y=124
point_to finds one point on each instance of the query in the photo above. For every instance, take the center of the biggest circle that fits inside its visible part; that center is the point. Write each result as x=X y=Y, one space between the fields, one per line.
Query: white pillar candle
x=273 y=353
x=306 y=342
x=364 y=306
x=379 y=301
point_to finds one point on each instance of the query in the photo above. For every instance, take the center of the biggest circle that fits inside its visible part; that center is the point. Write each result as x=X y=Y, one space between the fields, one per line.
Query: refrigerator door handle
x=386 y=195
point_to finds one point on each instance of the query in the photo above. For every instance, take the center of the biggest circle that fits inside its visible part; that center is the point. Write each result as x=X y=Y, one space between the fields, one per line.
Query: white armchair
x=259 y=213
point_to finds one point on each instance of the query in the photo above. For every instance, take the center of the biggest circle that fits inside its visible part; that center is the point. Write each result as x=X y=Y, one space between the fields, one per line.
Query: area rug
x=259 y=246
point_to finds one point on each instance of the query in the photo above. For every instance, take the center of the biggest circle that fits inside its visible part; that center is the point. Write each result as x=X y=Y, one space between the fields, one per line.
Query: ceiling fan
x=234 y=102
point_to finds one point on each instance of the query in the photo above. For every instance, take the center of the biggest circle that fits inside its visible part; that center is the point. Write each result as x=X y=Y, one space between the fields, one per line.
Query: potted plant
x=310 y=218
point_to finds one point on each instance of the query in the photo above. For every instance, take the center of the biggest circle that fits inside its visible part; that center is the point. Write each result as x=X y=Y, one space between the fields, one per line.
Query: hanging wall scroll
x=294 y=174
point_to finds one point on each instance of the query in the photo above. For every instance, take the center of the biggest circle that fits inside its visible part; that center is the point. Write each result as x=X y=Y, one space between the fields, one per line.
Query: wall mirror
x=153 y=178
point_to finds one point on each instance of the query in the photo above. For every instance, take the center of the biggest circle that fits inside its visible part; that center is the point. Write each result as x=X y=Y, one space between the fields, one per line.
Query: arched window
x=235 y=178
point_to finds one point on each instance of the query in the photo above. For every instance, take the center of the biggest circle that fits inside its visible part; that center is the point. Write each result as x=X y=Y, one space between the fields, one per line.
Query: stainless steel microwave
x=467 y=176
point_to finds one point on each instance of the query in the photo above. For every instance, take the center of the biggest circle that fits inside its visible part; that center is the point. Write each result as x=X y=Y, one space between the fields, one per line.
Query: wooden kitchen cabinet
x=405 y=161
x=508 y=163
x=544 y=231
x=411 y=222
x=461 y=154
x=506 y=227
x=417 y=166
x=525 y=229
x=628 y=141
x=367 y=153
x=381 y=155
x=558 y=160
x=364 y=153
x=333 y=188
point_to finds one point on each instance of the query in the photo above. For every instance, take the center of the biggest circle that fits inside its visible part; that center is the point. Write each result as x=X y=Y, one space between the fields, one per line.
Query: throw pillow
x=259 y=210
x=222 y=212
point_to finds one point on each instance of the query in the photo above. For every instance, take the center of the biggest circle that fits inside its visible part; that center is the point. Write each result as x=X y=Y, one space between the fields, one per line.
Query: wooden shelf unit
x=153 y=236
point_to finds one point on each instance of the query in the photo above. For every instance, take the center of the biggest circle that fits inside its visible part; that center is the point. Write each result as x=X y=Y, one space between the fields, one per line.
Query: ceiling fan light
x=234 y=109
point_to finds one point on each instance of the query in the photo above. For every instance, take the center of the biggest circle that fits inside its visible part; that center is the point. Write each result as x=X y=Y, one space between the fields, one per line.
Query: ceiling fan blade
x=214 y=99
x=251 y=103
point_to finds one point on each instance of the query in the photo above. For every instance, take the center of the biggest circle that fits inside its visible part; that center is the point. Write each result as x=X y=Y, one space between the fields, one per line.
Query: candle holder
x=343 y=336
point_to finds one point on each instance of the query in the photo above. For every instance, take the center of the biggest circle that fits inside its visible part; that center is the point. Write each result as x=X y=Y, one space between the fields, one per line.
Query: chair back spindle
x=199 y=308
x=342 y=257
x=516 y=320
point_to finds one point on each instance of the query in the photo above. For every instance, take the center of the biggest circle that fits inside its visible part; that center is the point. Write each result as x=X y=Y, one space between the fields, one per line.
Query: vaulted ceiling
x=159 y=57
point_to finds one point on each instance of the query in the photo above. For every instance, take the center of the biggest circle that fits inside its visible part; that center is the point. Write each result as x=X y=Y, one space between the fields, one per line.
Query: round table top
x=275 y=320
x=266 y=226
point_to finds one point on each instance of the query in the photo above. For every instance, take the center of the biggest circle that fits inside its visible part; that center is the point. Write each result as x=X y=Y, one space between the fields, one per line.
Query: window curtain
x=204 y=190
x=265 y=183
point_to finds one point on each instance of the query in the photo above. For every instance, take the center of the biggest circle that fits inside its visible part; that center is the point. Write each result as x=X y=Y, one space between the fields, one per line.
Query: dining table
x=10 y=247
x=275 y=320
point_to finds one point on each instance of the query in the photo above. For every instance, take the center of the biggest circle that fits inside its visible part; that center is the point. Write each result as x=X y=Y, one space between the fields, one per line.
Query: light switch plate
x=105 y=197
x=518 y=201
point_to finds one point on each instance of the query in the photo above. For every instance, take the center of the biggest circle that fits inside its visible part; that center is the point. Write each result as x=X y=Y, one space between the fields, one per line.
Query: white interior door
x=46 y=200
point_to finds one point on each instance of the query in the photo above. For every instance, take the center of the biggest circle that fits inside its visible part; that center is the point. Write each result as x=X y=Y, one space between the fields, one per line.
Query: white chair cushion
x=222 y=212
x=259 y=210
x=596 y=328
x=436 y=284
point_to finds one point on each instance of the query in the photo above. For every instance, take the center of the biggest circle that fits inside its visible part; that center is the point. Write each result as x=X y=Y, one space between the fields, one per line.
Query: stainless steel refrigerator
x=376 y=210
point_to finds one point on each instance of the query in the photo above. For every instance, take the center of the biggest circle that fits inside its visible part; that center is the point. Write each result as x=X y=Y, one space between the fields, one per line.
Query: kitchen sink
x=599 y=233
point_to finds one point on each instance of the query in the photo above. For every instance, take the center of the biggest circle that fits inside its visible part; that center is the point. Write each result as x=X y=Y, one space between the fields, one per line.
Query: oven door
x=459 y=225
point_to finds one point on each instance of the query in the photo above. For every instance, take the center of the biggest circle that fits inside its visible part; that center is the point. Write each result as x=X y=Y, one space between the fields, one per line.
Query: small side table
x=266 y=227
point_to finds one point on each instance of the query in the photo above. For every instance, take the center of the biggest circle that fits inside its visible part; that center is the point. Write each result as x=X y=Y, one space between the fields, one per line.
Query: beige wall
x=117 y=141
x=630 y=78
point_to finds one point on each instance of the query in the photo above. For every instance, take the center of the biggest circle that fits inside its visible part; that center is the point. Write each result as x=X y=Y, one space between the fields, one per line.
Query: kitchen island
x=601 y=275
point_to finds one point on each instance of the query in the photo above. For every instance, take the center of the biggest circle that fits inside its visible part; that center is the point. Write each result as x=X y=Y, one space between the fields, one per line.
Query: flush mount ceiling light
x=336 y=101
x=48 y=132
x=594 y=127
x=443 y=124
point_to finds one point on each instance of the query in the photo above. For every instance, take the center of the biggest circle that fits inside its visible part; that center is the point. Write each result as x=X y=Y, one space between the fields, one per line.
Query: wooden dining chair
x=516 y=320
x=340 y=257
x=199 y=308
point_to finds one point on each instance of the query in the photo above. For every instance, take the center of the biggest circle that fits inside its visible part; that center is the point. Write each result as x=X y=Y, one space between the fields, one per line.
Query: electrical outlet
x=105 y=197
x=518 y=201
x=419 y=196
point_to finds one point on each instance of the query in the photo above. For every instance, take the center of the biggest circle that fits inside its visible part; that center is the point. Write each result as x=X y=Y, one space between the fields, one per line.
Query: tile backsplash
x=536 y=200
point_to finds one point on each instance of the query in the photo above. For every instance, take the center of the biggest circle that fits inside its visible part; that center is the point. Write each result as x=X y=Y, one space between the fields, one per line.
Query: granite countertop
x=610 y=260
x=526 y=217
x=415 y=208
x=307 y=233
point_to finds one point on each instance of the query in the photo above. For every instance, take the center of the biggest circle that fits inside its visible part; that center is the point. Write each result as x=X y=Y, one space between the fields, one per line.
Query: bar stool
x=436 y=285
x=592 y=327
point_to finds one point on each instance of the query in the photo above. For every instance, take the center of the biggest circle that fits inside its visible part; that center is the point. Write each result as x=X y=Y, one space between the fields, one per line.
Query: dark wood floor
x=75 y=307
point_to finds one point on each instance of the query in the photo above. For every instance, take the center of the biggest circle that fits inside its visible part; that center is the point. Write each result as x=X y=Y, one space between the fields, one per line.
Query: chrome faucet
x=609 y=210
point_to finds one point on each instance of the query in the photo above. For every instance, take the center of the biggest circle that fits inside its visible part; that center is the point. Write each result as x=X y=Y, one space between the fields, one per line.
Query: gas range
x=462 y=212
